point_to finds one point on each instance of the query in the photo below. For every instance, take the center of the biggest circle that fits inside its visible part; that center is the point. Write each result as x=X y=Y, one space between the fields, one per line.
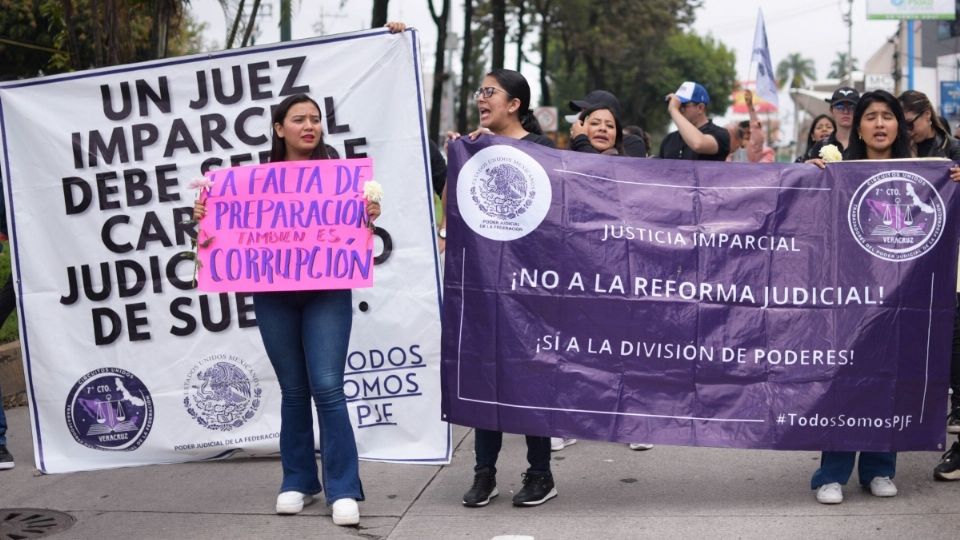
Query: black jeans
x=955 y=362
x=488 y=443
x=8 y=300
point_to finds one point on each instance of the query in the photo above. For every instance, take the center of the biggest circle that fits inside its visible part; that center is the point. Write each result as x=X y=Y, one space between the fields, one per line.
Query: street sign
x=950 y=102
x=911 y=9
x=879 y=81
x=547 y=116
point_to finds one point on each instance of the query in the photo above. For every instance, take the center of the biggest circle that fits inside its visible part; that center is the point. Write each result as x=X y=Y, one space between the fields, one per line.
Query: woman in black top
x=928 y=132
x=597 y=131
x=821 y=132
x=503 y=101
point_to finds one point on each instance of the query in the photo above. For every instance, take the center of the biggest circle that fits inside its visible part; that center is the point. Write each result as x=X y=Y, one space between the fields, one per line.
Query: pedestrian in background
x=748 y=143
x=931 y=137
x=842 y=104
x=634 y=145
x=821 y=133
x=696 y=137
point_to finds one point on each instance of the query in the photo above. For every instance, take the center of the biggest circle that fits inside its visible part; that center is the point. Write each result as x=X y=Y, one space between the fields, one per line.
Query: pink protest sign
x=288 y=226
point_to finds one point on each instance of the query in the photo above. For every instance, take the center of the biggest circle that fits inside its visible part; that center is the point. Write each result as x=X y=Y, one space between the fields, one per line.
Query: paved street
x=606 y=491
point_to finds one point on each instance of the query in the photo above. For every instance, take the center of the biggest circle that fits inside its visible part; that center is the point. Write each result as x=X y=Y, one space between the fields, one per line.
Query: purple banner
x=693 y=303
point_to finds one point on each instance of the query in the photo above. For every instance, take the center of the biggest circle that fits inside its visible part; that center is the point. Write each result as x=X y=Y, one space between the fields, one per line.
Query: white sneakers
x=830 y=494
x=292 y=502
x=346 y=512
x=559 y=443
x=881 y=486
x=640 y=446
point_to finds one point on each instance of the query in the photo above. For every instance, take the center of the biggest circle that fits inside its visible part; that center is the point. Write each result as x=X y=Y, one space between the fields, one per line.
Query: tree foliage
x=53 y=36
x=841 y=66
x=794 y=71
x=640 y=50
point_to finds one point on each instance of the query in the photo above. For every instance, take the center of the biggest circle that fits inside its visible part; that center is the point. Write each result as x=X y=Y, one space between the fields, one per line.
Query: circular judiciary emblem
x=896 y=215
x=110 y=409
x=222 y=392
x=503 y=193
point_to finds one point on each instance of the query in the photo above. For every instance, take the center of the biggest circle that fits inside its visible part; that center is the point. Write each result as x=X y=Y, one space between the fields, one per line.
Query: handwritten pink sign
x=288 y=226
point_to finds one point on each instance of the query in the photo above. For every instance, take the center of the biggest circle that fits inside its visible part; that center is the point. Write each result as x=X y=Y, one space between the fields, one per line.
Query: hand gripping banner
x=704 y=304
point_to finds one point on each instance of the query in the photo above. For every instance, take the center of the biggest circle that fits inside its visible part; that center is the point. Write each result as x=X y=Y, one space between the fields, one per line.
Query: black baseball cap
x=595 y=98
x=844 y=94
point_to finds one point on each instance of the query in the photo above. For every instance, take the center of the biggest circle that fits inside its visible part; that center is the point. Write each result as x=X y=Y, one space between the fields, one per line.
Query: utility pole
x=848 y=18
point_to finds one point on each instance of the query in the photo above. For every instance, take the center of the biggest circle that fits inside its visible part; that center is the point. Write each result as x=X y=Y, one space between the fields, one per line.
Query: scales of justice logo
x=109 y=409
x=896 y=215
x=503 y=193
x=222 y=392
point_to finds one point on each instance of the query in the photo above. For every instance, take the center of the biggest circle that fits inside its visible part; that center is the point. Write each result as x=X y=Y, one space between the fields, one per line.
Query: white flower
x=372 y=191
x=830 y=152
x=201 y=183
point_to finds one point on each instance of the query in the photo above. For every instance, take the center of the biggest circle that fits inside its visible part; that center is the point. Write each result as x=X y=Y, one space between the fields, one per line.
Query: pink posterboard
x=288 y=226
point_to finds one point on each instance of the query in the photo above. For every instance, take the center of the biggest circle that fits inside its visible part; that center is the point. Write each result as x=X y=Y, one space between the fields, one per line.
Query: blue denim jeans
x=837 y=467
x=3 y=423
x=487 y=445
x=306 y=335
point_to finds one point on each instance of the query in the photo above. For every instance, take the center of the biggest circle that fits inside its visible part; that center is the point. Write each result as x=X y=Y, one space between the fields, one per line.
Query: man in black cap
x=633 y=145
x=842 y=103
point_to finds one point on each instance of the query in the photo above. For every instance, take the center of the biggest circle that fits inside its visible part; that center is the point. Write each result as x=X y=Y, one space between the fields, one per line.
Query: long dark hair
x=618 y=144
x=918 y=103
x=278 y=148
x=901 y=145
x=813 y=125
x=516 y=85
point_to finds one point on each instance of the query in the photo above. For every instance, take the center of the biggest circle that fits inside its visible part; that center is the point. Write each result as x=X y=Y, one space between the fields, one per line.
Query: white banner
x=911 y=9
x=126 y=363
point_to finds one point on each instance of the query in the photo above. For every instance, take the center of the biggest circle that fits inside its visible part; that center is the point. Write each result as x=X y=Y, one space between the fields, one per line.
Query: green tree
x=51 y=36
x=794 y=71
x=25 y=40
x=842 y=66
x=640 y=50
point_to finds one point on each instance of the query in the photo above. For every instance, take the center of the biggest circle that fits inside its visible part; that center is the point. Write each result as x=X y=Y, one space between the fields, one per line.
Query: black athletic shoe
x=953 y=421
x=949 y=467
x=6 y=459
x=537 y=489
x=483 y=489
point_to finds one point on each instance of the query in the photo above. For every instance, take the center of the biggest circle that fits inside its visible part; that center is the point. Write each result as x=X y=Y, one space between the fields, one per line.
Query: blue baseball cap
x=691 y=92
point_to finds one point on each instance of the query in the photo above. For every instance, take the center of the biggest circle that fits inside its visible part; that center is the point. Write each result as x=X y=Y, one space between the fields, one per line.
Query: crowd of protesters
x=875 y=125
x=306 y=333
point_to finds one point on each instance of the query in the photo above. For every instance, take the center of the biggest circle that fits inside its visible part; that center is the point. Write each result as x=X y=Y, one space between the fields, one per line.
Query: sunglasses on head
x=487 y=92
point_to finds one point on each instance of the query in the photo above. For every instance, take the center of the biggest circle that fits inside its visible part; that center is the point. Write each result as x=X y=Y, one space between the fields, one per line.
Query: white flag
x=766 y=83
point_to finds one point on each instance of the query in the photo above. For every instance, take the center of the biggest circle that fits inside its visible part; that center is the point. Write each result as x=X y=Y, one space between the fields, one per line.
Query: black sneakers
x=537 y=489
x=484 y=488
x=949 y=467
x=953 y=421
x=6 y=459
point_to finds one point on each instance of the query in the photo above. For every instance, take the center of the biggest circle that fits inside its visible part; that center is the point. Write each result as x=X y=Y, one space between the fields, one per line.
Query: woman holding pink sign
x=306 y=334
